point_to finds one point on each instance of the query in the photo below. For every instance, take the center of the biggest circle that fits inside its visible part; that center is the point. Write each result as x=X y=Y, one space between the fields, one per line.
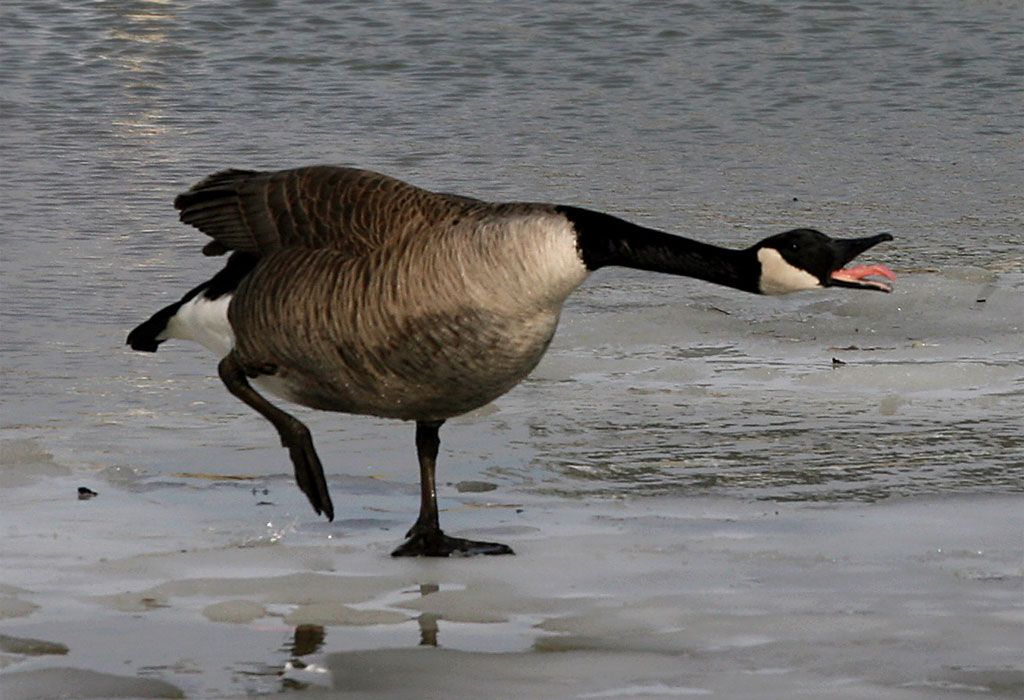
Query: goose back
x=346 y=209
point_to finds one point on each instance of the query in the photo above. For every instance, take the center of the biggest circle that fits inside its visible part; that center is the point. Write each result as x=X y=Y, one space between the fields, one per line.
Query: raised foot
x=434 y=543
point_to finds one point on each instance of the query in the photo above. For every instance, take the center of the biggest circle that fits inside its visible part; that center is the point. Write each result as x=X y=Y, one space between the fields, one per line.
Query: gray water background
x=722 y=121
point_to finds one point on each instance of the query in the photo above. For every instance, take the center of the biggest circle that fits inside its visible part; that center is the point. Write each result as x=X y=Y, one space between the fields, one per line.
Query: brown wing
x=346 y=209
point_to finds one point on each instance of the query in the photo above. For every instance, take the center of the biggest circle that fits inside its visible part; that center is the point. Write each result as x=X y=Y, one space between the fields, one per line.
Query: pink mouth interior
x=859 y=273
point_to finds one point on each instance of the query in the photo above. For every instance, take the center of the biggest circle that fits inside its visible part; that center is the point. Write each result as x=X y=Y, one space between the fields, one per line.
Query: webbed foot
x=431 y=542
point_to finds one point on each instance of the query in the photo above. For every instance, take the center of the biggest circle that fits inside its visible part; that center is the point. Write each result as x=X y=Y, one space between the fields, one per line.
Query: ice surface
x=652 y=596
x=238 y=611
x=75 y=683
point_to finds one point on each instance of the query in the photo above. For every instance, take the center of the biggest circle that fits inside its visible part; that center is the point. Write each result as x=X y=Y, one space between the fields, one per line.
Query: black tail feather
x=144 y=336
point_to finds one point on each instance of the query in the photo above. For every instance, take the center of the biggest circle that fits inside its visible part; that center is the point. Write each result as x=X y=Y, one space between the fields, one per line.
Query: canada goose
x=347 y=290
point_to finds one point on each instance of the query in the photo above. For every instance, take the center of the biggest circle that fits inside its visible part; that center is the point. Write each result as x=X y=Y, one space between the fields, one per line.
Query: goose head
x=807 y=259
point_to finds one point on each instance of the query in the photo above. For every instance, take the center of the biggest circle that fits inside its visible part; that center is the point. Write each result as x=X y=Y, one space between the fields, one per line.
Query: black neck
x=607 y=240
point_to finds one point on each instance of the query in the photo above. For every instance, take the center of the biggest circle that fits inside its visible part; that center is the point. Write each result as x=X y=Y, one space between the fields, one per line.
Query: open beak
x=846 y=249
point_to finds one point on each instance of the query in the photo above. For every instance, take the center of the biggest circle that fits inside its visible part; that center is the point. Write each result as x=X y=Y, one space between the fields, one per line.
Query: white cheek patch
x=780 y=277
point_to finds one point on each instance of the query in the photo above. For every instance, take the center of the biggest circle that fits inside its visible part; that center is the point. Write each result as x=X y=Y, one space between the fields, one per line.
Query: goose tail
x=148 y=335
x=200 y=315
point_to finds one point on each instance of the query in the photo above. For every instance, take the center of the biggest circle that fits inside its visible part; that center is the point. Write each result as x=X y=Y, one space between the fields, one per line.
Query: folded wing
x=346 y=209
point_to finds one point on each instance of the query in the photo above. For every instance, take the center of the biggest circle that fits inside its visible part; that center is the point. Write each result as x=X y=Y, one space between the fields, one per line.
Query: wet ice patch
x=326 y=613
x=1007 y=682
x=475 y=486
x=78 y=683
x=24 y=461
x=31 y=647
x=235 y=611
x=659 y=689
x=15 y=607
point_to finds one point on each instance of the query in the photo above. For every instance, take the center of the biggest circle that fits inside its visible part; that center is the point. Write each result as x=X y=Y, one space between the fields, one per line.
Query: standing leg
x=309 y=473
x=425 y=539
x=427 y=445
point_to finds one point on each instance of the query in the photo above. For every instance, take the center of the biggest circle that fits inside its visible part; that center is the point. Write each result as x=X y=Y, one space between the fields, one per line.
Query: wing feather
x=347 y=209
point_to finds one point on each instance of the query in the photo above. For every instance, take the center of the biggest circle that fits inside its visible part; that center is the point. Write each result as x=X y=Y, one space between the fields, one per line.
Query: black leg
x=427 y=444
x=309 y=473
x=425 y=539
